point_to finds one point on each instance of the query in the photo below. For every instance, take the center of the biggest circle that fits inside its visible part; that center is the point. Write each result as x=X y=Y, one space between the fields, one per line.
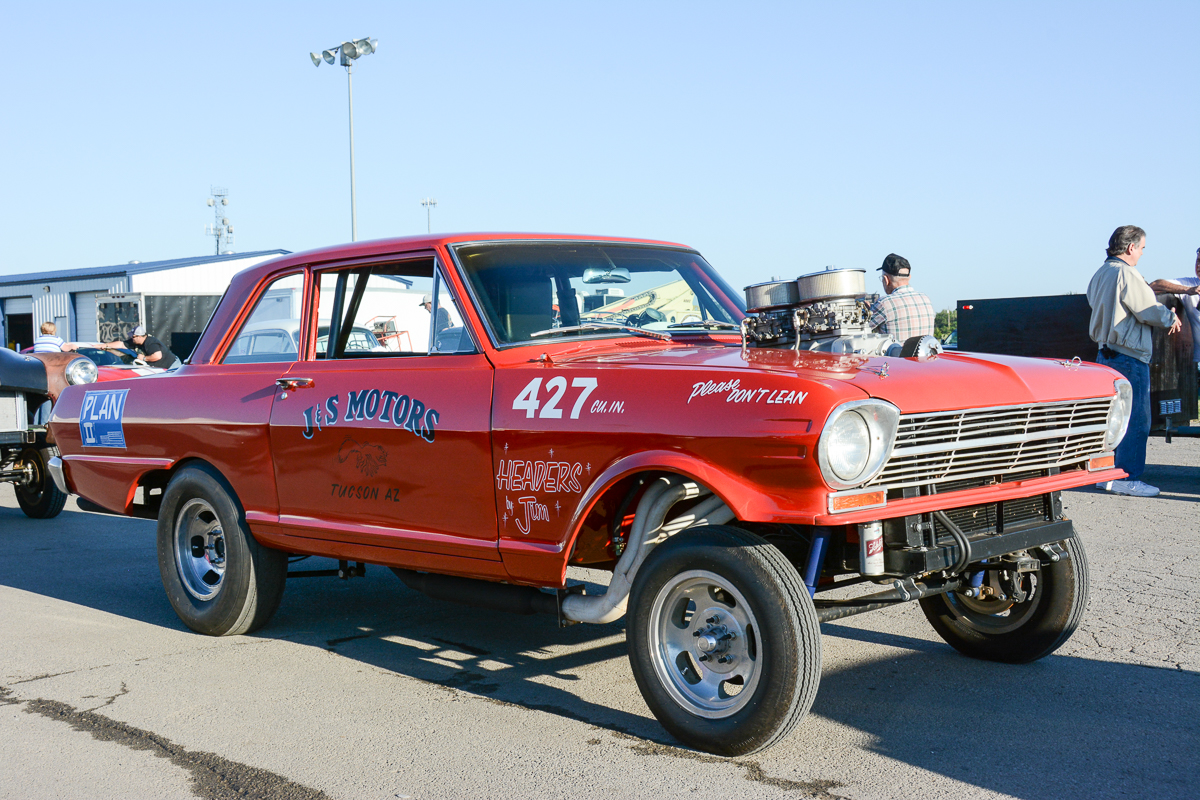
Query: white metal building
x=68 y=297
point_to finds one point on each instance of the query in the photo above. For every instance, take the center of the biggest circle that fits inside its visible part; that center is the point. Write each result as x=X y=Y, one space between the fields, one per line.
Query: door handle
x=293 y=384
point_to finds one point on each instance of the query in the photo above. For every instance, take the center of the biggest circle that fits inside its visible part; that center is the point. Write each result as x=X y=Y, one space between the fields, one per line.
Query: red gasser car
x=746 y=469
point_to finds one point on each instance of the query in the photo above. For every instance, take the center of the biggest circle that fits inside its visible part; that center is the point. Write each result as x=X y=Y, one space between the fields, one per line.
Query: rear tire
x=219 y=579
x=40 y=498
x=1017 y=633
x=691 y=592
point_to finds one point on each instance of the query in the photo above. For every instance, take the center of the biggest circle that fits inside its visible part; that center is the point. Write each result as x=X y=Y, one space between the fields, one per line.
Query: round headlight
x=1119 y=412
x=856 y=442
x=81 y=370
x=849 y=446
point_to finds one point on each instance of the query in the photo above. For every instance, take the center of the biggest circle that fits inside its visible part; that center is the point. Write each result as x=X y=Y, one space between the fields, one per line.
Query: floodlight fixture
x=349 y=50
x=430 y=204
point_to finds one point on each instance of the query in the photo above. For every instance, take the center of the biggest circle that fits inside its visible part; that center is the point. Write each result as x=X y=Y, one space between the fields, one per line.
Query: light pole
x=349 y=52
x=429 y=204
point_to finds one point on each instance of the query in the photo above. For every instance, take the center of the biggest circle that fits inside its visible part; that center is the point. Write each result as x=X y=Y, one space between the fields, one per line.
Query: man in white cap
x=153 y=351
x=443 y=316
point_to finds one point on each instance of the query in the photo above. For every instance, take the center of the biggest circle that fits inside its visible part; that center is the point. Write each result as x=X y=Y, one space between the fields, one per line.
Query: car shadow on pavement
x=100 y=561
x=510 y=659
x=1063 y=726
x=110 y=564
x=1060 y=727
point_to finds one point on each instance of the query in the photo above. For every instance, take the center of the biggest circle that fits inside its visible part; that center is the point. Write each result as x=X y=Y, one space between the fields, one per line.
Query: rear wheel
x=219 y=579
x=1054 y=598
x=38 y=496
x=723 y=640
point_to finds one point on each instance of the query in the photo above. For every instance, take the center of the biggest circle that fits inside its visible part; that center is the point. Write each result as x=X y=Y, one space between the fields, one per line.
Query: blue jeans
x=1131 y=452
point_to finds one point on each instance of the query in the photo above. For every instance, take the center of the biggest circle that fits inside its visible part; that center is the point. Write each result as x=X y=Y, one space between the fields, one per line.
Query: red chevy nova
x=746 y=469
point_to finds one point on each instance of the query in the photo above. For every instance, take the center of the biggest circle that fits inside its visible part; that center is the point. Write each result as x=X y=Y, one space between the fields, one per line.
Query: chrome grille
x=956 y=445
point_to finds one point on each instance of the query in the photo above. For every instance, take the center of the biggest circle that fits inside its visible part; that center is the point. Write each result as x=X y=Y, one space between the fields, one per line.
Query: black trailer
x=1057 y=327
x=176 y=319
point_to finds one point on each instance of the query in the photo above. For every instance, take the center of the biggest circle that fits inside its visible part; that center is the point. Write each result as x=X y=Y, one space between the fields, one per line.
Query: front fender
x=544 y=564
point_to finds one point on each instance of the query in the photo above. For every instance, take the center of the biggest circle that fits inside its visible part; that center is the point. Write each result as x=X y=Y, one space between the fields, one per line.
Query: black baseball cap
x=896 y=265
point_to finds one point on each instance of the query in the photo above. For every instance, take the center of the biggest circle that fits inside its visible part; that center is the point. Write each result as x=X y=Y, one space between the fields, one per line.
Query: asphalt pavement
x=365 y=689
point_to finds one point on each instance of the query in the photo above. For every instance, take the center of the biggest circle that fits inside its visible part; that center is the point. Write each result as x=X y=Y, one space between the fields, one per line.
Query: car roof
x=378 y=247
x=245 y=281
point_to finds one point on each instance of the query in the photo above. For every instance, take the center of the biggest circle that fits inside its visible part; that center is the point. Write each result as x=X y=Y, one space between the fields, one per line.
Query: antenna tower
x=221 y=229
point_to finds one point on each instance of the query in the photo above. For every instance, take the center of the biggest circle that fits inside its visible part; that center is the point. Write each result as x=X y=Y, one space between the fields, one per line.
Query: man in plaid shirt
x=904 y=312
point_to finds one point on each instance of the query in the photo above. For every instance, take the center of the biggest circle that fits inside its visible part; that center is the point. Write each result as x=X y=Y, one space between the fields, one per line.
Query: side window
x=270 y=333
x=449 y=331
x=388 y=310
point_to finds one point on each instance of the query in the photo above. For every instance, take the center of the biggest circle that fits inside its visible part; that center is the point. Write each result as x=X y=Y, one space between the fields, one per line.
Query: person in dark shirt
x=443 y=316
x=153 y=351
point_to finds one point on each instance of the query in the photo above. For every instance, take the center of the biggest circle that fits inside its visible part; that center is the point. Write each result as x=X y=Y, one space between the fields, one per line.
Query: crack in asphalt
x=466 y=648
x=212 y=777
x=44 y=677
x=109 y=700
x=332 y=643
x=754 y=771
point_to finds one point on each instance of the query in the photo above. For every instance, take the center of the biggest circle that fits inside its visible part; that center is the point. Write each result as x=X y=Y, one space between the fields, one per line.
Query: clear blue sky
x=995 y=145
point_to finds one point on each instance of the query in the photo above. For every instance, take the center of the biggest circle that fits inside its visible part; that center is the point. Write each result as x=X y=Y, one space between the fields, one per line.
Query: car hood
x=946 y=381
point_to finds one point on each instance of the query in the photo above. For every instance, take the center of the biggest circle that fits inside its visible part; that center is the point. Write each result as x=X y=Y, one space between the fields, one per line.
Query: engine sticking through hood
x=824 y=312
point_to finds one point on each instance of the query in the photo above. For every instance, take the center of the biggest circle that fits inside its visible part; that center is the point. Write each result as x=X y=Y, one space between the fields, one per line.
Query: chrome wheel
x=200 y=549
x=704 y=644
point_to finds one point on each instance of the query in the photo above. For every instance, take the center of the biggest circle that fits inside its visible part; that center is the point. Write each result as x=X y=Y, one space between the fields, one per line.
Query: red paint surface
x=503 y=491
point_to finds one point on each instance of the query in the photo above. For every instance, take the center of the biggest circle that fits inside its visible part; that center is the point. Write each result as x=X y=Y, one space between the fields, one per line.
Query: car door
x=386 y=446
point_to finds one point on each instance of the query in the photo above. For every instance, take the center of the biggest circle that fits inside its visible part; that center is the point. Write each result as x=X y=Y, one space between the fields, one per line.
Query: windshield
x=571 y=289
x=106 y=358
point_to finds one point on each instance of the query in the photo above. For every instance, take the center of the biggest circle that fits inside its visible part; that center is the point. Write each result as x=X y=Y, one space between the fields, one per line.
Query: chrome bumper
x=55 y=465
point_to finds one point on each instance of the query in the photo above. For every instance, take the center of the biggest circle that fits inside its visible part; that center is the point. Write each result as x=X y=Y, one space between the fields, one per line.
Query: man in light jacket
x=1123 y=311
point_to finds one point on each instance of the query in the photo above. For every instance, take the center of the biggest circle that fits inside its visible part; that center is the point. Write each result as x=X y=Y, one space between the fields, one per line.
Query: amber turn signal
x=1102 y=462
x=839 y=504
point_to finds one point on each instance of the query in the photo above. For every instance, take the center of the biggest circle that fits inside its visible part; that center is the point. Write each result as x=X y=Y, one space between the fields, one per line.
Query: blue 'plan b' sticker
x=100 y=418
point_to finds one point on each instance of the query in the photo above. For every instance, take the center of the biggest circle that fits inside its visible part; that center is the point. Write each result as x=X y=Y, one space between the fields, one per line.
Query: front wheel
x=38 y=496
x=723 y=640
x=219 y=579
x=1027 y=624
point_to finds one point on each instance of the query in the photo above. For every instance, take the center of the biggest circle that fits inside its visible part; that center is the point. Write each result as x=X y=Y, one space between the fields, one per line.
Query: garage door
x=85 y=316
x=18 y=305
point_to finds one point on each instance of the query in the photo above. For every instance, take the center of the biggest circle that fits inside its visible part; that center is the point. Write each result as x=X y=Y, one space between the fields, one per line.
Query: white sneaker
x=1104 y=486
x=1133 y=488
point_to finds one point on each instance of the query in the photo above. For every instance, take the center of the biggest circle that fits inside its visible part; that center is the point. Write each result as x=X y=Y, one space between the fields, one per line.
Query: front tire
x=219 y=579
x=40 y=498
x=1017 y=633
x=723 y=640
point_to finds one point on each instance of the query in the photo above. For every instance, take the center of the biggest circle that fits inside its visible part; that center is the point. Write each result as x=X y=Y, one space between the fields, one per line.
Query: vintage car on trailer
x=745 y=470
